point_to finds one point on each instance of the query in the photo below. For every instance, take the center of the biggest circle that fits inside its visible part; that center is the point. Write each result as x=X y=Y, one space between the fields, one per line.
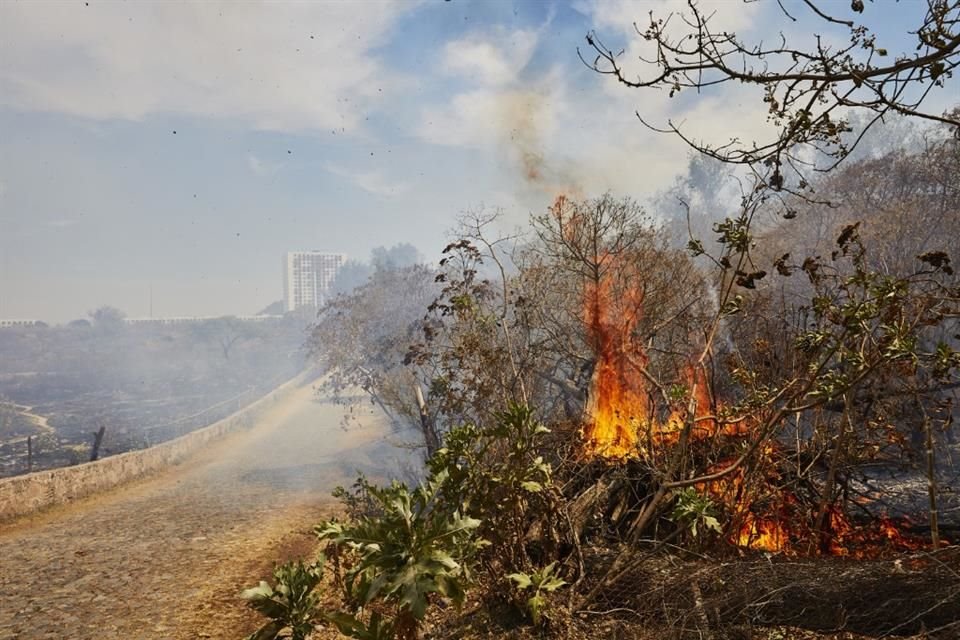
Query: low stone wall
x=22 y=495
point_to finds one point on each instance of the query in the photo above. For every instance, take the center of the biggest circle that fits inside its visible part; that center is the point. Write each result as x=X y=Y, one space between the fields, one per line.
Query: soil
x=168 y=556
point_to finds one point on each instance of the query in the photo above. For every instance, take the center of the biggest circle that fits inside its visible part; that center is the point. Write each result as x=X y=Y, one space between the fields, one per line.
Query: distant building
x=197 y=319
x=307 y=276
x=17 y=322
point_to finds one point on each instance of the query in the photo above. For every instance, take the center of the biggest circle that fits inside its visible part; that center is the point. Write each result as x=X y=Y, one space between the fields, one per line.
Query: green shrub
x=416 y=547
x=498 y=476
x=401 y=549
x=291 y=604
x=540 y=581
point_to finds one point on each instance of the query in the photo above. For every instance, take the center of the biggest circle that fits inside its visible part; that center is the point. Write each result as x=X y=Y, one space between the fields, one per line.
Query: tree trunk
x=97 y=439
x=932 y=482
x=430 y=437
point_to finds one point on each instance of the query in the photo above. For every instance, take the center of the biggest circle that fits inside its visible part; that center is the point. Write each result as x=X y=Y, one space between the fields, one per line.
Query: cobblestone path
x=167 y=557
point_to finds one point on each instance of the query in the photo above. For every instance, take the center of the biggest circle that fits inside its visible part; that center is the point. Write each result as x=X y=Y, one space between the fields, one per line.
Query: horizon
x=170 y=148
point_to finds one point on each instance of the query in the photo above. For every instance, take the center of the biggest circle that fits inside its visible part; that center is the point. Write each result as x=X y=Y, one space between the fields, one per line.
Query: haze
x=175 y=151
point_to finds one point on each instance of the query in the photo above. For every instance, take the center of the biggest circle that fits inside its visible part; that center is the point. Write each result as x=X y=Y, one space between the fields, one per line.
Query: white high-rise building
x=307 y=276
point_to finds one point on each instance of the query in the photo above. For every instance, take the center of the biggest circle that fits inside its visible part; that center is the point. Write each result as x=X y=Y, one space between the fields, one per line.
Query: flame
x=759 y=520
x=762 y=534
x=776 y=521
x=618 y=406
x=619 y=409
x=622 y=422
x=697 y=386
x=871 y=541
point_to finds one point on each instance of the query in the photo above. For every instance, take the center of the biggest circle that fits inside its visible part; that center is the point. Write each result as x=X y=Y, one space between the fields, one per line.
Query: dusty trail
x=166 y=558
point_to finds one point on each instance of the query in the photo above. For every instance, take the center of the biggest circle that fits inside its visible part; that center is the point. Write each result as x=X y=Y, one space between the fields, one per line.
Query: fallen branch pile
x=879 y=598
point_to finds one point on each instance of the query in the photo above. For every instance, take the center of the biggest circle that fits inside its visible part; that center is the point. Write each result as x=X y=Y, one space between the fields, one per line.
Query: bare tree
x=362 y=339
x=808 y=90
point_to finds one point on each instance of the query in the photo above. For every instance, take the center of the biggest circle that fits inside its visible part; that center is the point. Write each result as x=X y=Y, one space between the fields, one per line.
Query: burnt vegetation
x=638 y=428
x=141 y=383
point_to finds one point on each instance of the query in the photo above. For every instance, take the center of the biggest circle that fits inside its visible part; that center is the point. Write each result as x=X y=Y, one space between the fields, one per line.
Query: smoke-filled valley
x=143 y=383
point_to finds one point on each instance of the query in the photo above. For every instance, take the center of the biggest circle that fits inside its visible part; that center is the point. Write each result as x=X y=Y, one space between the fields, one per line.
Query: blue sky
x=338 y=126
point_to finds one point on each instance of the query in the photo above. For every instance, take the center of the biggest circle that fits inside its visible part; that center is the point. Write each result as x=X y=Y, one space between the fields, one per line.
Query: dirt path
x=166 y=558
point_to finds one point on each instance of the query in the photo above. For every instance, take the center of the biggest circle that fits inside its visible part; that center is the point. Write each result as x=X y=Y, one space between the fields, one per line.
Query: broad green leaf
x=347 y=624
x=263 y=590
x=523 y=580
x=552 y=584
x=444 y=559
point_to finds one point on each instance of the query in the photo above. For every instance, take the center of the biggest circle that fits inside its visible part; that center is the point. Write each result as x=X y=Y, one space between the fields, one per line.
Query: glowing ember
x=762 y=534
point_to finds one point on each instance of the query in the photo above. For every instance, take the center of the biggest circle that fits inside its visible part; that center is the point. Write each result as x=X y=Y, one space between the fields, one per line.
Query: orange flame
x=776 y=521
x=620 y=409
x=762 y=534
x=618 y=400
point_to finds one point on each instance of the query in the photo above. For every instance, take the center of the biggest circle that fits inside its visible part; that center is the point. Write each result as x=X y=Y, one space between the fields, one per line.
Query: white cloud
x=261 y=167
x=575 y=132
x=290 y=67
x=62 y=223
x=371 y=181
x=496 y=58
x=500 y=107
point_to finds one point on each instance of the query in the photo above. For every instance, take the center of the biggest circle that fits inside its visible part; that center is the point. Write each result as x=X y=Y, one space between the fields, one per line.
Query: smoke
x=145 y=382
x=528 y=124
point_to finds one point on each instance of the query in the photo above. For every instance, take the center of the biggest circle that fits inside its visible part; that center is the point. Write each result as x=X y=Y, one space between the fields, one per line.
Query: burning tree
x=724 y=399
x=863 y=324
x=631 y=292
x=678 y=404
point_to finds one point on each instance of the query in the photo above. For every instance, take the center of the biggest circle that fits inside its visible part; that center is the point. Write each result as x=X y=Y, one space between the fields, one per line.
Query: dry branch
x=880 y=598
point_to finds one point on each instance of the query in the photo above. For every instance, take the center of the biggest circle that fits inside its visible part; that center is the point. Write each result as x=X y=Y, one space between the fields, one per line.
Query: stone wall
x=22 y=495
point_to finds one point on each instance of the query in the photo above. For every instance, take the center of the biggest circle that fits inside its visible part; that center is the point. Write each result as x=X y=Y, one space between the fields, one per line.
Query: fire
x=885 y=534
x=619 y=409
x=619 y=406
x=618 y=402
x=705 y=423
x=622 y=422
x=763 y=534
x=777 y=521
x=774 y=519
x=758 y=521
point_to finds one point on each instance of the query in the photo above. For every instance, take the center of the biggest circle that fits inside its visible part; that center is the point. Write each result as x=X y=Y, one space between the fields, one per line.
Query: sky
x=170 y=153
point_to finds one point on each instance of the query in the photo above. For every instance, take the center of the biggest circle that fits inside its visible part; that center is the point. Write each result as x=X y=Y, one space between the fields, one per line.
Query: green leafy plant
x=498 y=475
x=291 y=604
x=417 y=546
x=696 y=512
x=541 y=581
x=356 y=500
x=376 y=627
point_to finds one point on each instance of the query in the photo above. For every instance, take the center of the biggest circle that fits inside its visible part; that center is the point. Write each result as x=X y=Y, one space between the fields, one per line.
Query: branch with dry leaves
x=809 y=91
